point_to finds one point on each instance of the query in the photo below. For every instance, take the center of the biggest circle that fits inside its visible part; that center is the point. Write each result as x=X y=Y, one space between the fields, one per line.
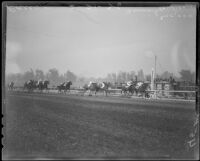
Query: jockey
x=102 y=85
x=129 y=83
x=138 y=85
x=90 y=83
x=29 y=81
x=38 y=82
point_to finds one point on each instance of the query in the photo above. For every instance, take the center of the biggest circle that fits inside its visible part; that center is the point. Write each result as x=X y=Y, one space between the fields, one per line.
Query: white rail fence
x=154 y=94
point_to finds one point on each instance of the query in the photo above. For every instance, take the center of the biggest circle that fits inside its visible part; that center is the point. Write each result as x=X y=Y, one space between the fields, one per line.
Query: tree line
x=56 y=78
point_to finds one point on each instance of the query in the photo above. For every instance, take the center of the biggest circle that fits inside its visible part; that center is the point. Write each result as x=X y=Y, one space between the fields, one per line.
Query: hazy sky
x=94 y=41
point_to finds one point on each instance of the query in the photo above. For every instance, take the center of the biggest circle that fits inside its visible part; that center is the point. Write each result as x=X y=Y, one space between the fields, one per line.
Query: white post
x=155 y=66
x=153 y=85
x=152 y=79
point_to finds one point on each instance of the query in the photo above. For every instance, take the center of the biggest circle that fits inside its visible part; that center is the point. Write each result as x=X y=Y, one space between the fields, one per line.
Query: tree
x=61 y=78
x=187 y=75
x=119 y=77
x=70 y=76
x=148 y=77
x=53 y=76
x=39 y=74
x=132 y=75
x=140 y=75
x=81 y=81
x=124 y=76
x=114 y=77
x=109 y=78
x=166 y=75
x=28 y=75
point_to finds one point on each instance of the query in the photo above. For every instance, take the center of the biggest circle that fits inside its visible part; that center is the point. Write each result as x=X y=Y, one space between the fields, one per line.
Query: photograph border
x=6 y=4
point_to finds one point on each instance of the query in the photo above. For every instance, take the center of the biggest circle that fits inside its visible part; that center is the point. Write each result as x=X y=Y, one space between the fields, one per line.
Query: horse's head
x=67 y=84
x=46 y=82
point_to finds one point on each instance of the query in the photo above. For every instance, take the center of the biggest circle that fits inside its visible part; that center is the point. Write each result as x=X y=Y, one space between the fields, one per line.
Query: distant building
x=173 y=86
x=166 y=86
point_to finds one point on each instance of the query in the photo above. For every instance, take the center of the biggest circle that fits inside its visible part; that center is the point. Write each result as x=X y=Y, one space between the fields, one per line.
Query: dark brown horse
x=65 y=86
x=128 y=88
x=142 y=88
x=30 y=85
x=41 y=85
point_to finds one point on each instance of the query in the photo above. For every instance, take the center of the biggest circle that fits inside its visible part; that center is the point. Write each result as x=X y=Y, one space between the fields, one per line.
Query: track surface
x=69 y=126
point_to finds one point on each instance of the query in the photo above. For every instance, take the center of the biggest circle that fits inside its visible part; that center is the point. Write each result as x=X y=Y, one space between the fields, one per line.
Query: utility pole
x=155 y=66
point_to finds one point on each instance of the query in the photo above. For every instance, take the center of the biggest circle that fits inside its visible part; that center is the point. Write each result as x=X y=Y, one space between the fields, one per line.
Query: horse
x=30 y=85
x=41 y=85
x=11 y=86
x=103 y=86
x=96 y=87
x=142 y=87
x=45 y=84
x=64 y=86
x=129 y=87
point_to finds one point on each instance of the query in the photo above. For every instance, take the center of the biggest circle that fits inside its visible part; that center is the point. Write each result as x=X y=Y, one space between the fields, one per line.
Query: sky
x=95 y=41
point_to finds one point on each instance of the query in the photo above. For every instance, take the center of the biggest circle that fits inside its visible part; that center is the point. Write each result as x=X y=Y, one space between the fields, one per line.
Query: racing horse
x=142 y=88
x=64 y=86
x=30 y=85
x=41 y=85
x=128 y=88
x=45 y=84
x=11 y=86
x=103 y=86
x=96 y=87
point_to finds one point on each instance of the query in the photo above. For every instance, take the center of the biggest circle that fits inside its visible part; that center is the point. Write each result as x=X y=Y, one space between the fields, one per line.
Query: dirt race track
x=69 y=126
